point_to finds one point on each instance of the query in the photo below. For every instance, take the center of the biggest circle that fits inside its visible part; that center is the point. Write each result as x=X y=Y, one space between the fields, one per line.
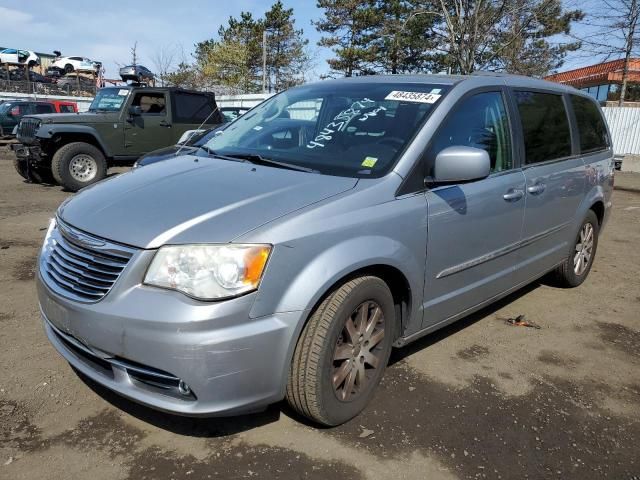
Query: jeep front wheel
x=77 y=165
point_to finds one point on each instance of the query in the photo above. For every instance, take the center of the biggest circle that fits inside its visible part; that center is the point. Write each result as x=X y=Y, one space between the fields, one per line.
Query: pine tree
x=348 y=26
x=286 y=48
x=402 y=38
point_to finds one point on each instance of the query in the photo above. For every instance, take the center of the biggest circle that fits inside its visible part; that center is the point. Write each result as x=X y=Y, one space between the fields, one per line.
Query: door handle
x=536 y=189
x=513 y=195
x=164 y=123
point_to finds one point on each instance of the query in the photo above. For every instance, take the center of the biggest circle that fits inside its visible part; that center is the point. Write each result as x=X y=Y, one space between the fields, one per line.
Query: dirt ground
x=480 y=399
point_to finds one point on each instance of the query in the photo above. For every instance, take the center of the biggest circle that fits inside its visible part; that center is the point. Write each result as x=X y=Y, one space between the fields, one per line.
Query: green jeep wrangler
x=122 y=123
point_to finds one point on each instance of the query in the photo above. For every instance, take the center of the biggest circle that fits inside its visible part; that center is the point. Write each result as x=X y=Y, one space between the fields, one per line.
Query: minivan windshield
x=353 y=129
x=109 y=100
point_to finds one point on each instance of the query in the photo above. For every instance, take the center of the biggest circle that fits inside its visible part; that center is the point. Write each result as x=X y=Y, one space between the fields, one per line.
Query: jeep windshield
x=109 y=100
x=354 y=129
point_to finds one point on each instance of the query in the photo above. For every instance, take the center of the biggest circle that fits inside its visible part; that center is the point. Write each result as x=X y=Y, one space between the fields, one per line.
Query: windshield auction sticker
x=417 y=97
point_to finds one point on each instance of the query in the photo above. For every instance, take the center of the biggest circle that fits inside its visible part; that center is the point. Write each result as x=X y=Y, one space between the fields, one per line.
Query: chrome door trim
x=500 y=252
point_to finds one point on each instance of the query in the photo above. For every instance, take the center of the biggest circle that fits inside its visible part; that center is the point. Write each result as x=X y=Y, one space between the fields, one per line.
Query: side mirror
x=135 y=111
x=461 y=164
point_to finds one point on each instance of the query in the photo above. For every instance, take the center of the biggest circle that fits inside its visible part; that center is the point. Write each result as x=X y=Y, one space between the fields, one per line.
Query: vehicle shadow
x=399 y=354
x=210 y=427
x=214 y=427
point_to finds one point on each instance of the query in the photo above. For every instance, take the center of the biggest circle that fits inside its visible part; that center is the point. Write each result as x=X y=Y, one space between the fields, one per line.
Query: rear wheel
x=342 y=353
x=574 y=270
x=68 y=68
x=77 y=165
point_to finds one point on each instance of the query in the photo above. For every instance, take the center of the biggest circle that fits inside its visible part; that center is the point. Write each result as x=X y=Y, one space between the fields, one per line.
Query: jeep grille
x=27 y=129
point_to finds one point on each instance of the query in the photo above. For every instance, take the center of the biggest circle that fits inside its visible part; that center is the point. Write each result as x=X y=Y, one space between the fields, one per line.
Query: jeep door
x=555 y=176
x=474 y=227
x=151 y=129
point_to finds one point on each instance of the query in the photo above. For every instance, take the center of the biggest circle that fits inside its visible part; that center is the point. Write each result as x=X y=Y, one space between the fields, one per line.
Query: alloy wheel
x=358 y=351
x=583 y=250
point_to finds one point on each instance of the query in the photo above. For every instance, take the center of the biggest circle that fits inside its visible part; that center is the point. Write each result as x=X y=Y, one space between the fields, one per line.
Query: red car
x=13 y=110
x=62 y=106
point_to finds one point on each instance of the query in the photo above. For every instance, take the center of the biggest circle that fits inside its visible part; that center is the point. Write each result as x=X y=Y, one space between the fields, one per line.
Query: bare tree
x=508 y=35
x=165 y=60
x=612 y=31
x=134 y=54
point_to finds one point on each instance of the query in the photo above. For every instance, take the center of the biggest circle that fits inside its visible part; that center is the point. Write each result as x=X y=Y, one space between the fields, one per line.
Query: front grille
x=27 y=129
x=80 y=266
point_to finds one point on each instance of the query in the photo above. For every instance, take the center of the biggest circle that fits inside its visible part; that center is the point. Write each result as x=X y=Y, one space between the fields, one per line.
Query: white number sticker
x=418 y=97
x=123 y=93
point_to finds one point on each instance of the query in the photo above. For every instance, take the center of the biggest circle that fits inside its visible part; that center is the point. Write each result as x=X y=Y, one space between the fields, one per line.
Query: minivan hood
x=194 y=200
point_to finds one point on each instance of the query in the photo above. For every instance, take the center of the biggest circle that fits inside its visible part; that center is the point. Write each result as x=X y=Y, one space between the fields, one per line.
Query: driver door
x=146 y=132
x=474 y=227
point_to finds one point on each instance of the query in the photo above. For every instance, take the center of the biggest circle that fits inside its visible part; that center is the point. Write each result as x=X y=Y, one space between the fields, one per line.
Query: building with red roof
x=603 y=81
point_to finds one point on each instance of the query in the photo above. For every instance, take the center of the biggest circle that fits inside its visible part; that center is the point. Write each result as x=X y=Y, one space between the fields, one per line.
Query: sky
x=106 y=31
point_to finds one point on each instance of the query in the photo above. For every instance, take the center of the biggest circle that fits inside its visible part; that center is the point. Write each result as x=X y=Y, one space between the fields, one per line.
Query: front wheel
x=575 y=268
x=77 y=165
x=343 y=351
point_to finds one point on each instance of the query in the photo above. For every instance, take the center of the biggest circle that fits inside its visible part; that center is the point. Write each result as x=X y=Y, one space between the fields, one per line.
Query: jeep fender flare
x=49 y=131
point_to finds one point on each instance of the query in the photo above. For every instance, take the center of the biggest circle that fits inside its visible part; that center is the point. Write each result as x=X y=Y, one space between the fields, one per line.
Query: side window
x=545 y=126
x=593 y=130
x=66 y=109
x=44 y=108
x=193 y=108
x=151 y=103
x=479 y=121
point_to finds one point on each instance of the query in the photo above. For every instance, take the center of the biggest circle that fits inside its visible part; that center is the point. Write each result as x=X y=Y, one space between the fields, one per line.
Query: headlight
x=209 y=272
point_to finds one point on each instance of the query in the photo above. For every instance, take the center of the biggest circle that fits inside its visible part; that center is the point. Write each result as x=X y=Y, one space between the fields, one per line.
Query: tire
x=68 y=68
x=319 y=357
x=569 y=274
x=68 y=161
x=33 y=174
x=21 y=167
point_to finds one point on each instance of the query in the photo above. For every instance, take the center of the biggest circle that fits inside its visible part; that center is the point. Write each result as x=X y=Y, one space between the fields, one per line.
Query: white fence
x=246 y=100
x=624 y=123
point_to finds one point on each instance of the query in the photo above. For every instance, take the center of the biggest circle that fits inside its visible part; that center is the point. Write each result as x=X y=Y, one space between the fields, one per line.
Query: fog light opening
x=184 y=389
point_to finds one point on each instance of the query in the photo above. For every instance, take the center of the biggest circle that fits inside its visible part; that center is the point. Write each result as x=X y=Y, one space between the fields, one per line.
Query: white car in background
x=71 y=64
x=19 y=57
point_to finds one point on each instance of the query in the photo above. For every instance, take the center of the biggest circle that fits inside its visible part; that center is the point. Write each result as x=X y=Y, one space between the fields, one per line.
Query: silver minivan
x=334 y=221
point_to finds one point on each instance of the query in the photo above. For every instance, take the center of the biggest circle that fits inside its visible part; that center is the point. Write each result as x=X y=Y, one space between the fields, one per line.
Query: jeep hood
x=80 y=117
x=194 y=200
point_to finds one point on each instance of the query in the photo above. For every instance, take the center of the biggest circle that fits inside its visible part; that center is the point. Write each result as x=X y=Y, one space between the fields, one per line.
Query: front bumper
x=231 y=363
x=31 y=153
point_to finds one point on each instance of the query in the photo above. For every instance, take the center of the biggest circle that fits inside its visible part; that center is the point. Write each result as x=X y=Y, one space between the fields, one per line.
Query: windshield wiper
x=260 y=160
x=215 y=154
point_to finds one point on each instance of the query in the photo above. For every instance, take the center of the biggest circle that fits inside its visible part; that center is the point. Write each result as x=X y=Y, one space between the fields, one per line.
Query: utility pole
x=633 y=22
x=264 y=61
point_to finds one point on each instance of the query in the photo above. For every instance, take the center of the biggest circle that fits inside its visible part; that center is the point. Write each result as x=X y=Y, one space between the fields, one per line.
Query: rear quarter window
x=193 y=108
x=545 y=126
x=591 y=125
